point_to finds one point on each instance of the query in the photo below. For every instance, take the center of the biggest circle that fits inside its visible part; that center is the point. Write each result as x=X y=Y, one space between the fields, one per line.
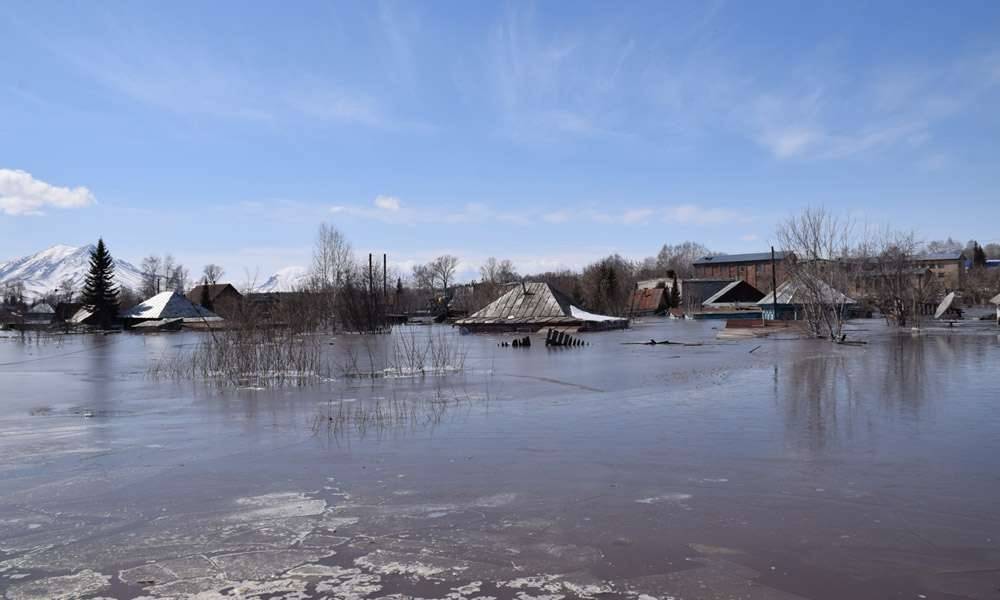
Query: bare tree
x=941 y=246
x=161 y=274
x=680 y=257
x=895 y=282
x=819 y=277
x=442 y=270
x=150 y=268
x=423 y=279
x=332 y=258
x=497 y=271
x=212 y=273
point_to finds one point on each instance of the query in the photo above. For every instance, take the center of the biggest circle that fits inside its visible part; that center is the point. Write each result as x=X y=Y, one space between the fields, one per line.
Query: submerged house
x=533 y=306
x=221 y=298
x=736 y=300
x=793 y=296
x=996 y=300
x=169 y=308
x=694 y=292
x=40 y=315
x=649 y=301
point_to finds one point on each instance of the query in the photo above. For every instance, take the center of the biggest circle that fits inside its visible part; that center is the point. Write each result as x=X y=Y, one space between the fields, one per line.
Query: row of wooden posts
x=552 y=338
x=561 y=338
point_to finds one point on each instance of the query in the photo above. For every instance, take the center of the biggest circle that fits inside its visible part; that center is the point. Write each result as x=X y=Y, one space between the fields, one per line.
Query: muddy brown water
x=802 y=470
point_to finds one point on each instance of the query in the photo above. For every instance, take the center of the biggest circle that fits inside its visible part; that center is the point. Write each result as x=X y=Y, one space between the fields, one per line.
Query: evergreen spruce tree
x=978 y=256
x=675 y=294
x=99 y=290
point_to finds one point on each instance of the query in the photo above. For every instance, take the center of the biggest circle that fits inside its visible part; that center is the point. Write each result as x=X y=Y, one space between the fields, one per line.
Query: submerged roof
x=796 y=292
x=42 y=308
x=740 y=258
x=644 y=299
x=735 y=292
x=533 y=303
x=168 y=305
x=81 y=315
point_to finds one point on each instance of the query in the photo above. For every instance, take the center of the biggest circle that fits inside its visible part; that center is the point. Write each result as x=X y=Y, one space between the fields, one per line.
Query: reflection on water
x=853 y=395
x=653 y=467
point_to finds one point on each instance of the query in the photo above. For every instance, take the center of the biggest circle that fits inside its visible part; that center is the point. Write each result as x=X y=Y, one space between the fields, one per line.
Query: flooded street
x=799 y=470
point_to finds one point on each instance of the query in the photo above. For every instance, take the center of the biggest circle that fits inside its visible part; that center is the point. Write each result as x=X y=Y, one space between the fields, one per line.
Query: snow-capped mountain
x=46 y=271
x=288 y=279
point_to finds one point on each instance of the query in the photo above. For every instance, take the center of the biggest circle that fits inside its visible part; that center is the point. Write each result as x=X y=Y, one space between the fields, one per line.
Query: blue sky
x=549 y=133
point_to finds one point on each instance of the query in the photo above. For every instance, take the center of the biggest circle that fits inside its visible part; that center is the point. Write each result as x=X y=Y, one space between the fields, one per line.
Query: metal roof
x=795 y=292
x=722 y=259
x=214 y=290
x=645 y=299
x=719 y=296
x=533 y=303
x=956 y=255
x=168 y=305
x=995 y=299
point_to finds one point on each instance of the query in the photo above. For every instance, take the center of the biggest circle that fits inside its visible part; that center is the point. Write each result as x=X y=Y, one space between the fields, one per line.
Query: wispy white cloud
x=191 y=79
x=390 y=203
x=693 y=214
x=390 y=209
x=549 y=83
x=334 y=104
x=21 y=194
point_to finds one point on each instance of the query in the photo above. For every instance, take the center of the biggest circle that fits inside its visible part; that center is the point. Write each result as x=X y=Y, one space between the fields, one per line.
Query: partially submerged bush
x=412 y=354
x=247 y=356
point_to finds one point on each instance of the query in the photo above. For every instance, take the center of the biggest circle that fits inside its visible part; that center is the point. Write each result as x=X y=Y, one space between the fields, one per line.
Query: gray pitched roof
x=995 y=299
x=795 y=292
x=168 y=305
x=738 y=285
x=740 y=258
x=533 y=303
x=955 y=255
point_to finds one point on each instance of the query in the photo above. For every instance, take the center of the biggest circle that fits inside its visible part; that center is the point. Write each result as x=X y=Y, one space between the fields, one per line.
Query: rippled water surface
x=799 y=470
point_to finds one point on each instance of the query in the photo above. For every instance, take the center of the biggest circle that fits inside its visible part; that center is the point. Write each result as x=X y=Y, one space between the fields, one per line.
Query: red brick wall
x=757 y=274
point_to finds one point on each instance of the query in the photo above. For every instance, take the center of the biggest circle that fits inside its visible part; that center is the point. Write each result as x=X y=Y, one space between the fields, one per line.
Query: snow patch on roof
x=168 y=305
x=579 y=313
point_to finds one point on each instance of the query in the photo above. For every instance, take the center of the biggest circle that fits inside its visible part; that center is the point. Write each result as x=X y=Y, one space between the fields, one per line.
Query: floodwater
x=798 y=470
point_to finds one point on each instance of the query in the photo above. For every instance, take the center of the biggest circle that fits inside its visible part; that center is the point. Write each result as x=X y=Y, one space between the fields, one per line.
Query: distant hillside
x=288 y=279
x=45 y=272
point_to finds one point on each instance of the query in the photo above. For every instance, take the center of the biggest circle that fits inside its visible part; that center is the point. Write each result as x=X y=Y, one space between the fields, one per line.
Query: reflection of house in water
x=534 y=306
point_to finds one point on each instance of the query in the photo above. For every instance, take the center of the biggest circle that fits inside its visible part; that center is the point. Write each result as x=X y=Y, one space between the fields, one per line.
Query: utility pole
x=774 y=287
x=371 y=291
